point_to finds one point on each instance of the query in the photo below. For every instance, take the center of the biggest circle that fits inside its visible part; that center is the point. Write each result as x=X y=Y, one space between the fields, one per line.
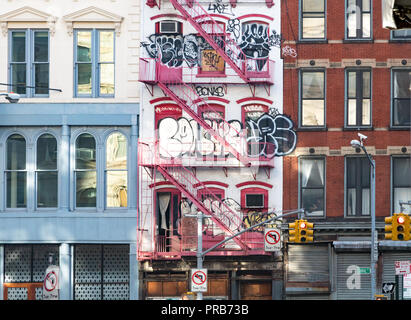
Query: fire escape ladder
x=226 y=218
x=206 y=26
x=190 y=101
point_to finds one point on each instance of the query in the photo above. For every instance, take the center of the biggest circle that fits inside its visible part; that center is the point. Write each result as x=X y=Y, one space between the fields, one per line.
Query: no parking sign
x=272 y=239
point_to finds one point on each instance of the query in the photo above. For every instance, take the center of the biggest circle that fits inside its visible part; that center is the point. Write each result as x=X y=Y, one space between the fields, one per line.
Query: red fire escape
x=153 y=159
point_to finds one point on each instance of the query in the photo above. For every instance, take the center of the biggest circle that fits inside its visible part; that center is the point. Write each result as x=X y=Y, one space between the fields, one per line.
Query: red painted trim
x=162 y=183
x=254 y=99
x=160 y=99
x=212 y=98
x=168 y=15
x=214 y=15
x=250 y=183
x=254 y=15
x=217 y=183
x=246 y=191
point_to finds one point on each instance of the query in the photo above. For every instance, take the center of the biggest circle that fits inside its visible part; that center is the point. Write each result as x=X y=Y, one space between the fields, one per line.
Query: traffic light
x=301 y=231
x=293 y=232
x=306 y=231
x=398 y=227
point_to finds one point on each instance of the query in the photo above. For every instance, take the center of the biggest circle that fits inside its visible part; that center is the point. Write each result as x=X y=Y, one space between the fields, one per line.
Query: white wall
x=61 y=44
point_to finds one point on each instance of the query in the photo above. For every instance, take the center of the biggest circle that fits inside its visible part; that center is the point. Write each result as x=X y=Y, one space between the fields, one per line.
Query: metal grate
x=101 y=272
x=17 y=293
x=27 y=263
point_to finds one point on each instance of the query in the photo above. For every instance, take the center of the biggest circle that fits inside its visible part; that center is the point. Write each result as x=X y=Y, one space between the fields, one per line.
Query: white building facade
x=212 y=137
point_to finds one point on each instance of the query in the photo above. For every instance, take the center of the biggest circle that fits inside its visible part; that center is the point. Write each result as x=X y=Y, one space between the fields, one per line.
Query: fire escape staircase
x=206 y=26
x=222 y=215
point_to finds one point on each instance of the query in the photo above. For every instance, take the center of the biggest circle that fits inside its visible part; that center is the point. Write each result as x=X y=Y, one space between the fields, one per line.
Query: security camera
x=13 y=97
x=362 y=137
x=355 y=143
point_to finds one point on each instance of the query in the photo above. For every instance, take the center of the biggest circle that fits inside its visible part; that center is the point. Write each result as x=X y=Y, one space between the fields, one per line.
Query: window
x=358 y=99
x=312 y=98
x=312 y=19
x=94 y=63
x=358 y=174
x=47 y=174
x=101 y=272
x=254 y=199
x=253 y=43
x=312 y=185
x=401 y=97
x=403 y=34
x=211 y=61
x=16 y=173
x=116 y=171
x=401 y=182
x=29 y=62
x=85 y=171
x=358 y=23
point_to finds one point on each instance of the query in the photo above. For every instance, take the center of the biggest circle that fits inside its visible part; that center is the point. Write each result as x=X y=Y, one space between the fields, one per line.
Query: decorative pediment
x=93 y=14
x=27 y=14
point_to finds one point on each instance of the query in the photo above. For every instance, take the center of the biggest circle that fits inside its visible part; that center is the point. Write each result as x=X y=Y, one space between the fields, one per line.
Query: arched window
x=46 y=171
x=16 y=173
x=116 y=171
x=85 y=171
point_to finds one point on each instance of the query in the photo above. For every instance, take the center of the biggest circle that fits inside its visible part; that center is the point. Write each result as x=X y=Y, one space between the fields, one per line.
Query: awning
x=352 y=245
x=366 y=245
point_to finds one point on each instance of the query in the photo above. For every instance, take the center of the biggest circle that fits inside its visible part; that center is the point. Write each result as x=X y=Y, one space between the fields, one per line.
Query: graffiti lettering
x=267 y=136
x=270 y=136
x=288 y=51
x=219 y=7
x=252 y=218
x=210 y=91
x=211 y=59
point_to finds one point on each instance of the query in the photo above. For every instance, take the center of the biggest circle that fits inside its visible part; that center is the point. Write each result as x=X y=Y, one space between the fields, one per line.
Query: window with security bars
x=101 y=272
x=27 y=264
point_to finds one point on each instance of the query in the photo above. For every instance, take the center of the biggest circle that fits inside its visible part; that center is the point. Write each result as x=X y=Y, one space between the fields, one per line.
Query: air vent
x=170 y=27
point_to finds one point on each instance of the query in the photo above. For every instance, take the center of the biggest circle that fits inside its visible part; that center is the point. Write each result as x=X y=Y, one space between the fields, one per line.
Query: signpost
x=272 y=239
x=198 y=280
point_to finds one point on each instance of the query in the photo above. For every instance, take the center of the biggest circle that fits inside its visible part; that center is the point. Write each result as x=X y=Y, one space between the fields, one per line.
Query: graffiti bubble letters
x=210 y=91
x=270 y=136
x=288 y=51
x=183 y=137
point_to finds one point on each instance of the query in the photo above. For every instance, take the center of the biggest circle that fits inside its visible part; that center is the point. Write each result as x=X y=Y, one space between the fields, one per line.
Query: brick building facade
x=344 y=74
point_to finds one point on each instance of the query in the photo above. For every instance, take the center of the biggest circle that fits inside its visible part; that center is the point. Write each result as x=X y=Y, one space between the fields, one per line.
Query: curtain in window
x=163 y=202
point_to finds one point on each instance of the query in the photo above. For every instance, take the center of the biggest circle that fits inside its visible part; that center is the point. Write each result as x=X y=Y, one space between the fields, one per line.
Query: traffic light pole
x=374 y=240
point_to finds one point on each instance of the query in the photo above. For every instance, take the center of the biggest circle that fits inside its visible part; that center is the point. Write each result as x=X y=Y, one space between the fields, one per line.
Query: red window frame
x=167 y=110
x=201 y=72
x=254 y=190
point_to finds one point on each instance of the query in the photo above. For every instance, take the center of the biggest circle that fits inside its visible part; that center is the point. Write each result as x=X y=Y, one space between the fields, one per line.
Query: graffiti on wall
x=215 y=91
x=267 y=136
x=217 y=6
x=253 y=39
x=223 y=210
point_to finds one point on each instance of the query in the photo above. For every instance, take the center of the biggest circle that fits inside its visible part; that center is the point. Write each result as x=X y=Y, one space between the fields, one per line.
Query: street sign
x=198 y=280
x=388 y=287
x=51 y=283
x=365 y=270
x=272 y=239
x=402 y=267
